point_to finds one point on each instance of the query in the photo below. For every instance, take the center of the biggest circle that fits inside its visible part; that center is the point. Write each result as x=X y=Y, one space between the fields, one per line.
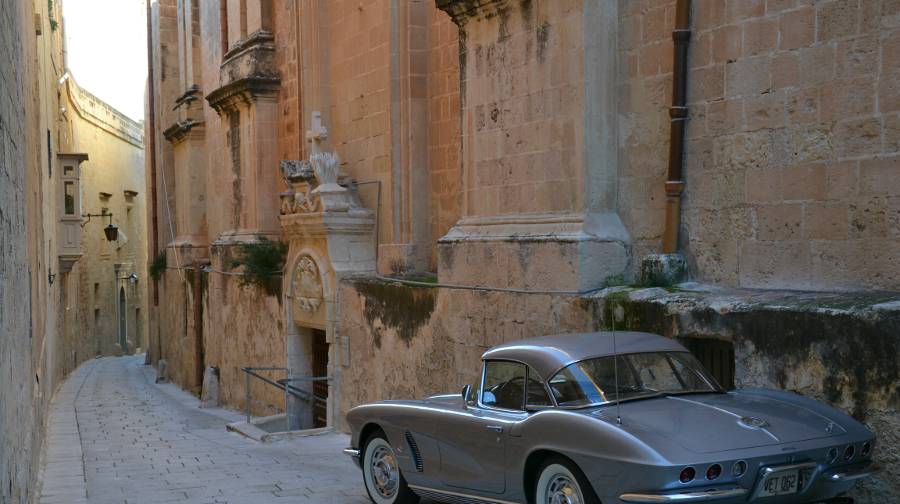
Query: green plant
x=158 y=266
x=53 y=22
x=263 y=263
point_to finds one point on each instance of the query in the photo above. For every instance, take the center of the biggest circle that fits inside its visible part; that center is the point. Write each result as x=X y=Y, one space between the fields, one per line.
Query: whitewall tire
x=381 y=473
x=560 y=482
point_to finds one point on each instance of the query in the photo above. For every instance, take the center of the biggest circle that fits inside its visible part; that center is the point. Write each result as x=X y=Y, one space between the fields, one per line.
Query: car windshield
x=641 y=375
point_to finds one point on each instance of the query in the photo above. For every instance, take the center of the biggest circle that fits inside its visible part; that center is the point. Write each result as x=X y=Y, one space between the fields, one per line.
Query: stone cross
x=317 y=134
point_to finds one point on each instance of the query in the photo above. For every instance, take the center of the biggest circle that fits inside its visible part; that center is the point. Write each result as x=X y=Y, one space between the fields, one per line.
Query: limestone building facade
x=109 y=306
x=51 y=134
x=447 y=175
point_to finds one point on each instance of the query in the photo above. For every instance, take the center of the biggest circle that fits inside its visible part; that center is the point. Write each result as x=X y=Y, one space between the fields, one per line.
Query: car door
x=473 y=443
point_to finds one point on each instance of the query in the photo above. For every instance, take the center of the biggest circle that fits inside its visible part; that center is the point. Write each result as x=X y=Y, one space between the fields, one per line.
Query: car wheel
x=381 y=473
x=561 y=482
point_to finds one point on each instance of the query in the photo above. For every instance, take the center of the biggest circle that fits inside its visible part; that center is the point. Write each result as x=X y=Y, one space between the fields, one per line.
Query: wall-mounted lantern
x=111 y=230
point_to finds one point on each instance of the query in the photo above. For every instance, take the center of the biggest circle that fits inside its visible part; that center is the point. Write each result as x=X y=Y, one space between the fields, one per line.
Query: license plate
x=781 y=483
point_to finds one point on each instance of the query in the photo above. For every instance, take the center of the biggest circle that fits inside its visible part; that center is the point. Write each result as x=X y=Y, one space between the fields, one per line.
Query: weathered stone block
x=797 y=28
x=663 y=270
x=780 y=222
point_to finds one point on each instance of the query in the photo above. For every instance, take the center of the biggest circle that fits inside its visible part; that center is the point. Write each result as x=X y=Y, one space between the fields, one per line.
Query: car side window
x=537 y=394
x=504 y=385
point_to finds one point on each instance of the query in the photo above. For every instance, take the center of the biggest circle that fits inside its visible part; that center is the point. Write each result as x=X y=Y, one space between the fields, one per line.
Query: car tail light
x=739 y=468
x=866 y=449
x=687 y=475
x=849 y=452
x=713 y=471
x=832 y=455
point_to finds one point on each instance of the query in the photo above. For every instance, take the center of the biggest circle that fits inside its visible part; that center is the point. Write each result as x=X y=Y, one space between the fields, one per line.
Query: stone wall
x=242 y=326
x=19 y=434
x=407 y=342
x=793 y=144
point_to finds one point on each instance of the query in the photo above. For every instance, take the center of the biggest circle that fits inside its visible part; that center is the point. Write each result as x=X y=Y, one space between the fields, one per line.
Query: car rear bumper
x=697 y=496
x=846 y=474
x=843 y=478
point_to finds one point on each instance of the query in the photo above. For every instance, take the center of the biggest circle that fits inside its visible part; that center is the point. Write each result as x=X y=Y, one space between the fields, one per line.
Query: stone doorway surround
x=330 y=236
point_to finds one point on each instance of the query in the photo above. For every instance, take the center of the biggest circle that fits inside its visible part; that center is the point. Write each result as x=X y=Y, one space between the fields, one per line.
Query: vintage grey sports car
x=612 y=417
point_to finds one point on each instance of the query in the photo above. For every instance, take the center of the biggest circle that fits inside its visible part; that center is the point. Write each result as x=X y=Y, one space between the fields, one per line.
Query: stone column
x=539 y=146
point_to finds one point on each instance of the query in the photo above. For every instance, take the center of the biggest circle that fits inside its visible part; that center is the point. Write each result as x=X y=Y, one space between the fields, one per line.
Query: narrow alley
x=117 y=437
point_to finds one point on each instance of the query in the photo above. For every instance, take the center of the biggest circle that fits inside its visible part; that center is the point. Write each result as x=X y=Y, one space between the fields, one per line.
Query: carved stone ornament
x=299 y=175
x=317 y=185
x=296 y=171
x=307 y=286
x=325 y=165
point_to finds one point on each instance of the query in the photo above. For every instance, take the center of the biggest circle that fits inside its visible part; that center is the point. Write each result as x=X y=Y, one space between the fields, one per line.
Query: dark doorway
x=717 y=356
x=320 y=388
x=123 y=326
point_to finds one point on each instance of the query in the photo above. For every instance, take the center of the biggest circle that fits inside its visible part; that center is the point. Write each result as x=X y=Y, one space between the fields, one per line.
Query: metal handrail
x=284 y=384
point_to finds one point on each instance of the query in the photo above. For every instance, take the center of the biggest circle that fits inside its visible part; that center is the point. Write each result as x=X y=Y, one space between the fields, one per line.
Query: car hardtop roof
x=548 y=354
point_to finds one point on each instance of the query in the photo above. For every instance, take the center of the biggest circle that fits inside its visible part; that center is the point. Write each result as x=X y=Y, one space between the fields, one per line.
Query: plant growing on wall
x=53 y=23
x=263 y=263
x=158 y=266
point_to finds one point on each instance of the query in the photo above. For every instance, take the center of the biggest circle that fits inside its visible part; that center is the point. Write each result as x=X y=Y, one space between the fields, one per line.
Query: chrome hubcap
x=385 y=475
x=562 y=490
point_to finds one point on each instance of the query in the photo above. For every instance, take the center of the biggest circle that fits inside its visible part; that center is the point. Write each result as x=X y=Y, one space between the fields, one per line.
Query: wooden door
x=320 y=388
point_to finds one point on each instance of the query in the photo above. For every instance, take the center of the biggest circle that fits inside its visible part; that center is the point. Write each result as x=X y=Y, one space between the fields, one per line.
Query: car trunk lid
x=718 y=422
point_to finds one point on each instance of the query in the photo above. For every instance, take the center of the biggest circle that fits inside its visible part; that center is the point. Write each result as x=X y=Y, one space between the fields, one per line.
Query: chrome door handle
x=496 y=428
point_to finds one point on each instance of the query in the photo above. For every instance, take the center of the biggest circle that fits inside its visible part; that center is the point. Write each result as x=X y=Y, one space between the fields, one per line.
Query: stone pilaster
x=247 y=102
x=539 y=146
x=187 y=136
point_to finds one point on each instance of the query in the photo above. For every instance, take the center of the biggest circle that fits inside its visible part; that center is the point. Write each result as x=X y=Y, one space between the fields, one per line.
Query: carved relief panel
x=307 y=292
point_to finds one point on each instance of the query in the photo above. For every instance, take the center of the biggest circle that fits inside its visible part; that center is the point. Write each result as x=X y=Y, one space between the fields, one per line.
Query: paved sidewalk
x=117 y=438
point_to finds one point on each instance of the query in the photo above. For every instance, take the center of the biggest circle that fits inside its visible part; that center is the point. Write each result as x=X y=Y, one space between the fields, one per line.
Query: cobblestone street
x=116 y=437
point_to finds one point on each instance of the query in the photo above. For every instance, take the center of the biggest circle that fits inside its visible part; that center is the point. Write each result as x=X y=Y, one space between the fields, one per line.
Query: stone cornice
x=463 y=10
x=183 y=130
x=243 y=90
x=324 y=224
x=258 y=38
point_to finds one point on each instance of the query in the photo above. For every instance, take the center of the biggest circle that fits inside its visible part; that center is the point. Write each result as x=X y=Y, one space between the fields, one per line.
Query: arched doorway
x=123 y=325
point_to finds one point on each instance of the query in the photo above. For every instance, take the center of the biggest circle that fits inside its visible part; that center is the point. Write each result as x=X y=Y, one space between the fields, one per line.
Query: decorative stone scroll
x=307 y=291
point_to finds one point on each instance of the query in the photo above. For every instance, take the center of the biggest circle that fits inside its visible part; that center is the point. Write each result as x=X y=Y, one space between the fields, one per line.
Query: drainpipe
x=150 y=148
x=678 y=113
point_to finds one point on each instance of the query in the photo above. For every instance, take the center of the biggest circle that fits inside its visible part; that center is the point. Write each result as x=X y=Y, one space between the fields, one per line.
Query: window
x=49 y=155
x=69 y=198
x=631 y=376
x=537 y=394
x=504 y=385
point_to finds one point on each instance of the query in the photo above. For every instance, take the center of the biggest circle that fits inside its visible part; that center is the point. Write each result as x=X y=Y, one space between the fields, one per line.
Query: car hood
x=719 y=422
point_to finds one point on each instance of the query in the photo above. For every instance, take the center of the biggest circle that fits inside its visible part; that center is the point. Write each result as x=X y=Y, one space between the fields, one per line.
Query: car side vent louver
x=414 y=450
